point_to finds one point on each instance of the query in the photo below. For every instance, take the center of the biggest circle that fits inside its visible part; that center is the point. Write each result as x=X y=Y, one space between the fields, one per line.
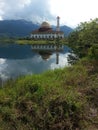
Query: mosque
x=46 y=32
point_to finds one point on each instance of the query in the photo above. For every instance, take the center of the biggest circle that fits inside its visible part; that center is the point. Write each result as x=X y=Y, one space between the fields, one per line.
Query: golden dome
x=45 y=25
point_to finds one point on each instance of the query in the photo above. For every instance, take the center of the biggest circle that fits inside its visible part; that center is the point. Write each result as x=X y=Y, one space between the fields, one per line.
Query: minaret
x=58 y=24
x=57 y=57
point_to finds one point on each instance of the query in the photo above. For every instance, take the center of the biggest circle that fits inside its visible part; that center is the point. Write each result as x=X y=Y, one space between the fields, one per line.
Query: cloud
x=31 y=10
x=63 y=61
x=72 y=12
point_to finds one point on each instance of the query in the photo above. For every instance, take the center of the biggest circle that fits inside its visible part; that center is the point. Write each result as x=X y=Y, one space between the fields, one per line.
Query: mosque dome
x=45 y=54
x=45 y=25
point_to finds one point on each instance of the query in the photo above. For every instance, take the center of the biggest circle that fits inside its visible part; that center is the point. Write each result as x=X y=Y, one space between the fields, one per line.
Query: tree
x=85 y=38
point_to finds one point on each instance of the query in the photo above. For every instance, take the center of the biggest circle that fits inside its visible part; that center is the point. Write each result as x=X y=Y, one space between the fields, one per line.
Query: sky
x=71 y=12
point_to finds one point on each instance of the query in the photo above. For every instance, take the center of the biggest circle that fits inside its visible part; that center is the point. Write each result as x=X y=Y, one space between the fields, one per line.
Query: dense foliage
x=84 y=40
x=62 y=99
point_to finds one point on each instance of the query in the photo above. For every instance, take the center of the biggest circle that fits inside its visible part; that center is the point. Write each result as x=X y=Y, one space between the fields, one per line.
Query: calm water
x=16 y=60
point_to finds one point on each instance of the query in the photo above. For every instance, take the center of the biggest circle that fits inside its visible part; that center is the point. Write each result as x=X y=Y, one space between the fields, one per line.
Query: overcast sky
x=71 y=12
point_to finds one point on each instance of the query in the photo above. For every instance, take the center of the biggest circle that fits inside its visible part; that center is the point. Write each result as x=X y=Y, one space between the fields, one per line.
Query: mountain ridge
x=20 y=28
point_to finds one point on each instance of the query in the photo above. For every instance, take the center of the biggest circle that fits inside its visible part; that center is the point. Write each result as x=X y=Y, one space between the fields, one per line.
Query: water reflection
x=33 y=64
x=46 y=50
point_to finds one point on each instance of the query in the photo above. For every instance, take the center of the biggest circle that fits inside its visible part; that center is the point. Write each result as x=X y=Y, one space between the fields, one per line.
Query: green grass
x=23 y=41
x=31 y=41
x=7 y=40
x=57 y=99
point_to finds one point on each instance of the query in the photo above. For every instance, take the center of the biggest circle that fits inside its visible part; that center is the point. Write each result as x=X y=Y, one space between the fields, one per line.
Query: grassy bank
x=7 y=40
x=41 y=41
x=35 y=42
x=62 y=99
x=24 y=41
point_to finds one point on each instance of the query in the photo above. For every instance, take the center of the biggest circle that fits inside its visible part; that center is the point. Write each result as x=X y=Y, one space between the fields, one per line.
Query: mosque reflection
x=46 y=50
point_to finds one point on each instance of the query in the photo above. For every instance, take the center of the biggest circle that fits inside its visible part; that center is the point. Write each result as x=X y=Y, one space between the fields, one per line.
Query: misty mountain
x=21 y=28
x=67 y=30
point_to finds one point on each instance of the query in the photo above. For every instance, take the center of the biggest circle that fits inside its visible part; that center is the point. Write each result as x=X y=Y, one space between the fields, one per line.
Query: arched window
x=39 y=36
x=35 y=36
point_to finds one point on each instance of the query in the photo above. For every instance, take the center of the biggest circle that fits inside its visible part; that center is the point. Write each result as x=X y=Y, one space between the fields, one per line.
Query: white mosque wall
x=47 y=36
x=47 y=47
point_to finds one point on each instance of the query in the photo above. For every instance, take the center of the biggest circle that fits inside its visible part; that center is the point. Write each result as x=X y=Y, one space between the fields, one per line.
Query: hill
x=15 y=28
x=67 y=30
x=20 y=28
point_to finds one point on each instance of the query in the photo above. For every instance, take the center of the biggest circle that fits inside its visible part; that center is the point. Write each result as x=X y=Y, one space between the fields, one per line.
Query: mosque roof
x=46 y=28
x=46 y=32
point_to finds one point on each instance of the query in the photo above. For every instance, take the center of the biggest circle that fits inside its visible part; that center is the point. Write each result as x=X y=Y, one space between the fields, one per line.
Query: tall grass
x=60 y=99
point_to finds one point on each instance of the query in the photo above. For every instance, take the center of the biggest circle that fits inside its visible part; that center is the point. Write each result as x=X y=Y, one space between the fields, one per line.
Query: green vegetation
x=24 y=41
x=85 y=39
x=41 y=41
x=60 y=99
x=31 y=41
x=6 y=39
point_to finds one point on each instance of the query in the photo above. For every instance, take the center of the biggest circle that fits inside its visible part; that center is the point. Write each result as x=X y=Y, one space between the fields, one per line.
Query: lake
x=17 y=60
